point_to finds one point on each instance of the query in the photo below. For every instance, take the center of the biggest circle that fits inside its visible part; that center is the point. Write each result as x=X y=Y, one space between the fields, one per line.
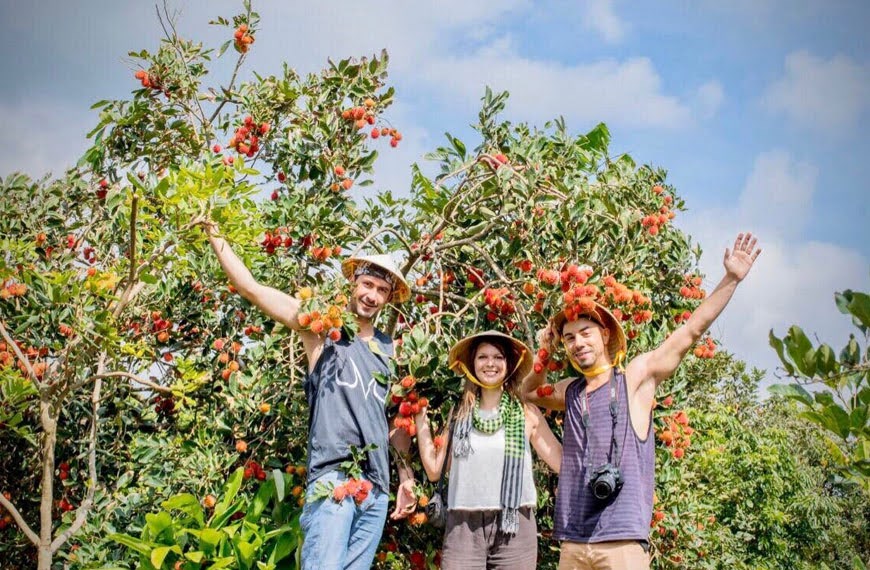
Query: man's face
x=586 y=342
x=370 y=294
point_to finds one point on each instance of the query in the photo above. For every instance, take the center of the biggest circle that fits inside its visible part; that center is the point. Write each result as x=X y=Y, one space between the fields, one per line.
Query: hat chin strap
x=592 y=372
x=471 y=378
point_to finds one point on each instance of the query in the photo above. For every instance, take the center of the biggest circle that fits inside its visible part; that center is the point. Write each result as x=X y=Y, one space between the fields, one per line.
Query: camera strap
x=614 y=410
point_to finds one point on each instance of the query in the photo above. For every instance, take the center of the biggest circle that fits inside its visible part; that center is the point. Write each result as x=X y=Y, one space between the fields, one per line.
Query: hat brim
x=401 y=290
x=461 y=352
x=617 y=341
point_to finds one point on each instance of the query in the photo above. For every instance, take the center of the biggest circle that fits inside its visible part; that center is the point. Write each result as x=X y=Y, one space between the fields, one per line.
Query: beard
x=362 y=311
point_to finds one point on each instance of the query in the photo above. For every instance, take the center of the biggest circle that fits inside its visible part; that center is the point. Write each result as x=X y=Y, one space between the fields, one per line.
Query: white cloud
x=600 y=16
x=709 y=98
x=793 y=281
x=621 y=93
x=778 y=194
x=820 y=94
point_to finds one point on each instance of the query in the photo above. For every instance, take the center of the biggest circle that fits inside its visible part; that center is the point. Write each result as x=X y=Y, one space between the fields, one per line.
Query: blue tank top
x=580 y=517
x=347 y=393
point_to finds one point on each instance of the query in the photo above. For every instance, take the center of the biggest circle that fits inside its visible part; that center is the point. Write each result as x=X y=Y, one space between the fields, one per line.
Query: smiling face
x=586 y=342
x=369 y=296
x=490 y=365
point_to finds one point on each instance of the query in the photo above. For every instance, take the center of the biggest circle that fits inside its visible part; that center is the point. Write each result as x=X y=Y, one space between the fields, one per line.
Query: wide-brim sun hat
x=352 y=265
x=461 y=353
x=601 y=315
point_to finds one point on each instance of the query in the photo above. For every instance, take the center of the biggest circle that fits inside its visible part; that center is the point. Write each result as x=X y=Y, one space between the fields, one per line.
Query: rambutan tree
x=158 y=420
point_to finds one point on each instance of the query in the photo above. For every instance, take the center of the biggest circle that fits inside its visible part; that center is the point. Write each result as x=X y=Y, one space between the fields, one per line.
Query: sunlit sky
x=758 y=109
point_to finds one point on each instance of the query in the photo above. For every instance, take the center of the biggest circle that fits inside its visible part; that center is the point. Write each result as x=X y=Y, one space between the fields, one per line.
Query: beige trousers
x=614 y=555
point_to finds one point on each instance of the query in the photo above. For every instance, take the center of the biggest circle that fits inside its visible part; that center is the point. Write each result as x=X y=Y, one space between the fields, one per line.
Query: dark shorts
x=472 y=542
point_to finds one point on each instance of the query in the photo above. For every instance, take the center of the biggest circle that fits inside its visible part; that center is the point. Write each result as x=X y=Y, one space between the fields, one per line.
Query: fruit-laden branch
x=229 y=89
x=19 y=520
x=520 y=309
x=84 y=508
x=22 y=357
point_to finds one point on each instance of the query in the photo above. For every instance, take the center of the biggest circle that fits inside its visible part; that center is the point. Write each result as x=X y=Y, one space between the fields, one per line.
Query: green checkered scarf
x=512 y=416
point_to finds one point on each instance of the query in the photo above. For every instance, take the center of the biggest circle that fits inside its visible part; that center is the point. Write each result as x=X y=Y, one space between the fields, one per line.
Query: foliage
x=840 y=397
x=239 y=533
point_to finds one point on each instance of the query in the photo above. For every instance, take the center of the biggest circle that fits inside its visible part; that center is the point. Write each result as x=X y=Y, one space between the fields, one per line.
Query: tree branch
x=21 y=356
x=19 y=520
x=129 y=376
x=84 y=508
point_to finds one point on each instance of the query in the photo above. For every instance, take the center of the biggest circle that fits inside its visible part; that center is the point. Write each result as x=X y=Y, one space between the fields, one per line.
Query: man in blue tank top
x=346 y=387
x=607 y=478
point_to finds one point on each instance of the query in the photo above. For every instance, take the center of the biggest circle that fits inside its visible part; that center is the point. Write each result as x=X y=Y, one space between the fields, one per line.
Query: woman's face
x=490 y=365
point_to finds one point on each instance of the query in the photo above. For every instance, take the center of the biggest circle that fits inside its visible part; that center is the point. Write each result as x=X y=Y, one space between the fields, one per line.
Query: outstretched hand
x=739 y=261
x=406 y=500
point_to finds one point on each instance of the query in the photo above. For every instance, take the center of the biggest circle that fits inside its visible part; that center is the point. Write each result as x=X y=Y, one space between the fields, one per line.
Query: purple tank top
x=580 y=517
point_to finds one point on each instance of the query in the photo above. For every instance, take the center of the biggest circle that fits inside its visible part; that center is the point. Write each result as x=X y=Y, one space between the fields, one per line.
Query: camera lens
x=602 y=488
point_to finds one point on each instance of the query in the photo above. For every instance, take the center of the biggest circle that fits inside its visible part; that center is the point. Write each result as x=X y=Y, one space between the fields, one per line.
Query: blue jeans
x=341 y=536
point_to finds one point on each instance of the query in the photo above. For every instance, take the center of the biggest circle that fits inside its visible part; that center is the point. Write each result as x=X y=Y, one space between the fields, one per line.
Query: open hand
x=739 y=261
x=406 y=500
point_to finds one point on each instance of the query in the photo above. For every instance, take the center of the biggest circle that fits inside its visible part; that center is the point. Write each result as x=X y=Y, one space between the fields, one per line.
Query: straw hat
x=461 y=353
x=353 y=265
x=615 y=344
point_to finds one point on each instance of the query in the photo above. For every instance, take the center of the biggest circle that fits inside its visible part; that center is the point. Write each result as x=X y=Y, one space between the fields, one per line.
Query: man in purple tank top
x=606 y=482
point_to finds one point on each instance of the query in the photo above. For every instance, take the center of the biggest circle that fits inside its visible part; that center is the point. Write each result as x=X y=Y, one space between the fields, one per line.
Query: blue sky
x=759 y=109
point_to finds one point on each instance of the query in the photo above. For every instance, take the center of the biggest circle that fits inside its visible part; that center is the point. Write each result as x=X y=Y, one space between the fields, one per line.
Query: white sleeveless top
x=475 y=480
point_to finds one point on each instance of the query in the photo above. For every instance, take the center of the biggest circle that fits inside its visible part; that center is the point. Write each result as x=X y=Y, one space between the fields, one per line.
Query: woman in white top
x=491 y=493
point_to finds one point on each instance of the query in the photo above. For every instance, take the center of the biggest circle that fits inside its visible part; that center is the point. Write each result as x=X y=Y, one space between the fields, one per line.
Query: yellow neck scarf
x=593 y=372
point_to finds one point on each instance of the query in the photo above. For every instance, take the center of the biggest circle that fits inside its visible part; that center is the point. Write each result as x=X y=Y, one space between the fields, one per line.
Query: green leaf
x=158 y=522
x=132 y=543
x=245 y=552
x=209 y=539
x=826 y=362
x=801 y=351
x=230 y=492
x=851 y=353
x=260 y=500
x=284 y=546
x=278 y=477
x=840 y=418
x=186 y=503
x=159 y=554
x=778 y=347
x=794 y=392
x=858 y=305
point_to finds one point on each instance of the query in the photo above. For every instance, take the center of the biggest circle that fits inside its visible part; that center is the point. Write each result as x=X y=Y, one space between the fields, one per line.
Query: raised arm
x=530 y=384
x=649 y=370
x=276 y=304
x=542 y=438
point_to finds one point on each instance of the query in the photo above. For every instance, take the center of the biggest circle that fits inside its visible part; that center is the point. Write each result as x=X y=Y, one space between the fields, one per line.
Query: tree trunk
x=48 y=417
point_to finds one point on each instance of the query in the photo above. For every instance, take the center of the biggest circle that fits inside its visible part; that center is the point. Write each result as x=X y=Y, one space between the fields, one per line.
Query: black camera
x=605 y=481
